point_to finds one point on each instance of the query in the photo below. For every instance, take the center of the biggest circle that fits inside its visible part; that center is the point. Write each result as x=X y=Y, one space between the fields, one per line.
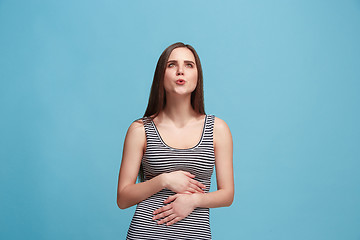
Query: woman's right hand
x=182 y=182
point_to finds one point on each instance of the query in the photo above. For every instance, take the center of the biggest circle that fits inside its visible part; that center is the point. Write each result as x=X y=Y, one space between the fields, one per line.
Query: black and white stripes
x=160 y=158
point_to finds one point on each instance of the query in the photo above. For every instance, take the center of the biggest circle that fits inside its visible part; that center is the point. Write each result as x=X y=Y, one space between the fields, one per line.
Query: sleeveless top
x=160 y=158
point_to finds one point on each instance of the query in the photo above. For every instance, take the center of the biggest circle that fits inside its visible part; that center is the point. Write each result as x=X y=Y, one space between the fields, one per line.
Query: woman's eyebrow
x=188 y=61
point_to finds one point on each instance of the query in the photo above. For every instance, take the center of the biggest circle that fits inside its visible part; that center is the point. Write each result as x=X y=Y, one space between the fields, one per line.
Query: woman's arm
x=223 y=146
x=183 y=204
x=129 y=193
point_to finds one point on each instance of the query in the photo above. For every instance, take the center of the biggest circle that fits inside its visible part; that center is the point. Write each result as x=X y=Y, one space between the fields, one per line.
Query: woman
x=174 y=148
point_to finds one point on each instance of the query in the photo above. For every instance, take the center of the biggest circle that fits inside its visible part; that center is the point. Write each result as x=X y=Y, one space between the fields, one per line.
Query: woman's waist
x=157 y=200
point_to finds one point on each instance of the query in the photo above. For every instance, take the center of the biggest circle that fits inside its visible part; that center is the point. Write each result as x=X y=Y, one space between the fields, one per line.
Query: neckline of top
x=163 y=142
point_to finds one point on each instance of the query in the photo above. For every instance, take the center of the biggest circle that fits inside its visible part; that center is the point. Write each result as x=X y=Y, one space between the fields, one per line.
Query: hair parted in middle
x=157 y=98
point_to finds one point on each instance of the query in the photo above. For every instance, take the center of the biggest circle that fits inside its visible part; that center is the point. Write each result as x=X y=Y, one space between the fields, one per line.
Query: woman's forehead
x=182 y=53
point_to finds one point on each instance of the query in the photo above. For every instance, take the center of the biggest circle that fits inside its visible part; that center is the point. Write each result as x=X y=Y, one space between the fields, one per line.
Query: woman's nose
x=180 y=70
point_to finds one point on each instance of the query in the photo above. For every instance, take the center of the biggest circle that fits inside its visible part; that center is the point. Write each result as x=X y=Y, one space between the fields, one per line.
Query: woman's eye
x=190 y=65
x=170 y=64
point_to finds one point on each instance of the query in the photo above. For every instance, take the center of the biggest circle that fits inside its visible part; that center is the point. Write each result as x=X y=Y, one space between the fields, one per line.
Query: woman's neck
x=178 y=110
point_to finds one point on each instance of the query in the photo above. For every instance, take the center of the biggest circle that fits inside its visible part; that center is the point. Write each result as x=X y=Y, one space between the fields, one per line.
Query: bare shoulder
x=136 y=133
x=220 y=125
x=136 y=126
x=222 y=133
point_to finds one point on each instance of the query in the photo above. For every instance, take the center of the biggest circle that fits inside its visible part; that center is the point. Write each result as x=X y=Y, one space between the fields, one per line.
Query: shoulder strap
x=209 y=130
x=210 y=124
x=150 y=130
x=147 y=124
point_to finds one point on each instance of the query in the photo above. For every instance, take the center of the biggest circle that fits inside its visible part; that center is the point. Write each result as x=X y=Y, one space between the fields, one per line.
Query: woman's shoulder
x=220 y=125
x=135 y=135
x=137 y=126
x=222 y=134
x=218 y=122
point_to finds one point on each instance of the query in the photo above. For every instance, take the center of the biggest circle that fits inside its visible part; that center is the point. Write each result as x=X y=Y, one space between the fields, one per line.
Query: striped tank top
x=160 y=158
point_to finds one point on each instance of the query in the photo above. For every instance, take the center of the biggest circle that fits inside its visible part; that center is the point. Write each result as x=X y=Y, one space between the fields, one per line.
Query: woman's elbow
x=229 y=199
x=121 y=204
x=229 y=202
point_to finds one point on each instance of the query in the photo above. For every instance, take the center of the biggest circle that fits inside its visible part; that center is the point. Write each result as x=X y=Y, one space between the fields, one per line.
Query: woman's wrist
x=197 y=199
x=163 y=180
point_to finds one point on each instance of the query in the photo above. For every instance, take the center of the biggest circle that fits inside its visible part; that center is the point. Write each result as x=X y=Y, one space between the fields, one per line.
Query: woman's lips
x=180 y=81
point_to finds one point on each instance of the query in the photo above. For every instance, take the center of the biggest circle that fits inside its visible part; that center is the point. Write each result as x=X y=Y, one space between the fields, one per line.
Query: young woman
x=173 y=149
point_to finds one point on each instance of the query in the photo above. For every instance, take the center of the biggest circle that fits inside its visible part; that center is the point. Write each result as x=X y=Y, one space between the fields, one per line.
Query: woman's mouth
x=180 y=81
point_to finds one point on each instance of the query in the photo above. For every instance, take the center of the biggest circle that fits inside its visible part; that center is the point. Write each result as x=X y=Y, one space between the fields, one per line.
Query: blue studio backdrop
x=284 y=75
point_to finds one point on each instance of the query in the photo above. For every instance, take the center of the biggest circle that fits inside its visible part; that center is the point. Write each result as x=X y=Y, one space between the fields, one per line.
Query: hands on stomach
x=183 y=182
x=182 y=203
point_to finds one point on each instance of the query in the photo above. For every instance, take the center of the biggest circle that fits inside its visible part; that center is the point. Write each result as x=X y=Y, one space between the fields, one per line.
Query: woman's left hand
x=179 y=207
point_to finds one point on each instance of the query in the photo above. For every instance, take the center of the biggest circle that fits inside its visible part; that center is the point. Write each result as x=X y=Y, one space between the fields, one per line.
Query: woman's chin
x=182 y=93
x=179 y=92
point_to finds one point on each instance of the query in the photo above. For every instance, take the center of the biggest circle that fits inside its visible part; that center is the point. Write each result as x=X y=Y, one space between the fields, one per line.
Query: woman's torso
x=161 y=158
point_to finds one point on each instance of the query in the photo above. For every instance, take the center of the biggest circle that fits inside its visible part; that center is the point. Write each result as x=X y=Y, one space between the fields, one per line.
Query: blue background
x=284 y=75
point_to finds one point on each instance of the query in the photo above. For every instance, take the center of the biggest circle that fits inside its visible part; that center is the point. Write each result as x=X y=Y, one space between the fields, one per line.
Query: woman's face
x=181 y=73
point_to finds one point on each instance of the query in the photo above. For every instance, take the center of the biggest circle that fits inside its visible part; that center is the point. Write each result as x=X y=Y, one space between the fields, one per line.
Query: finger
x=173 y=221
x=171 y=198
x=197 y=183
x=187 y=192
x=163 y=214
x=162 y=209
x=196 y=188
x=191 y=190
x=188 y=174
x=167 y=219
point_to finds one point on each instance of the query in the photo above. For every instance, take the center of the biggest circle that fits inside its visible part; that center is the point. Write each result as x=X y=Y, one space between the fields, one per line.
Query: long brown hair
x=157 y=98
